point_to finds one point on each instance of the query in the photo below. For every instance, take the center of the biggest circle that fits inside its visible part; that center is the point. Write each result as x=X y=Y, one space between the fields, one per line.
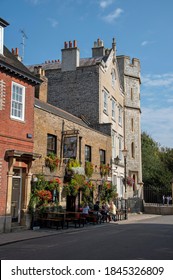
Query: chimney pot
x=17 y=52
x=98 y=42
x=65 y=45
x=74 y=44
x=70 y=44
x=12 y=50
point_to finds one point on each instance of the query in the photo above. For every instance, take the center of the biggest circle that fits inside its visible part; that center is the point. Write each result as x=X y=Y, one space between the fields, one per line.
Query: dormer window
x=3 y=24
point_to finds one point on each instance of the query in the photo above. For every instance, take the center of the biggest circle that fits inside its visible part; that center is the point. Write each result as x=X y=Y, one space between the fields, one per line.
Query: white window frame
x=113 y=109
x=105 y=101
x=120 y=110
x=1 y=39
x=120 y=147
x=113 y=144
x=17 y=102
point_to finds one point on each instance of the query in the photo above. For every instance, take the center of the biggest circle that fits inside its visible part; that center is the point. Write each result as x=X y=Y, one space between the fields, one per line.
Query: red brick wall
x=13 y=133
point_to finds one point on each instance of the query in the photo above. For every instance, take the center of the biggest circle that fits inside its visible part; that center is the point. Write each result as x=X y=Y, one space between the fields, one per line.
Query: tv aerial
x=24 y=36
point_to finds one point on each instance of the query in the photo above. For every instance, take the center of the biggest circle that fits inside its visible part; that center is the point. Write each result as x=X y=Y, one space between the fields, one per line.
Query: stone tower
x=130 y=79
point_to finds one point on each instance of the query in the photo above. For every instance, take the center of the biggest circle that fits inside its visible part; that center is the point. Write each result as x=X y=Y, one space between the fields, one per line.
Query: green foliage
x=108 y=192
x=104 y=169
x=74 y=185
x=89 y=169
x=73 y=163
x=41 y=195
x=52 y=161
x=157 y=163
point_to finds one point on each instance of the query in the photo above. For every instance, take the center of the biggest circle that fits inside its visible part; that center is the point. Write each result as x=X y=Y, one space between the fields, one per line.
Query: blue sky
x=143 y=29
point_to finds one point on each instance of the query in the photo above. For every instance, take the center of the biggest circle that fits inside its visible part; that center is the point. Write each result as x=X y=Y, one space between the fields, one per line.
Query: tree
x=157 y=164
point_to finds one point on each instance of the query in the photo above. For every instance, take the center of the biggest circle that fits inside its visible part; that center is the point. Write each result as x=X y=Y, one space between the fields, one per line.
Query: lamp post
x=125 y=180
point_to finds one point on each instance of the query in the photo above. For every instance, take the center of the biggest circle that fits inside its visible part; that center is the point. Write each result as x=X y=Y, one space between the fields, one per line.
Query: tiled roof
x=56 y=64
x=10 y=63
x=59 y=112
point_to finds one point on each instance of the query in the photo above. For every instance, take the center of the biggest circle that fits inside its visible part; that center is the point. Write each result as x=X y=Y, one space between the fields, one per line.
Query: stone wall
x=158 y=210
x=76 y=92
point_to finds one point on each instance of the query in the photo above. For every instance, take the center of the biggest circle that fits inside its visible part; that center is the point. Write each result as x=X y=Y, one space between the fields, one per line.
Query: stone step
x=16 y=228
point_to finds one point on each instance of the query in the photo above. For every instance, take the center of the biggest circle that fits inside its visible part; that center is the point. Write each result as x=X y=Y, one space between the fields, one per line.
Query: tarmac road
x=148 y=239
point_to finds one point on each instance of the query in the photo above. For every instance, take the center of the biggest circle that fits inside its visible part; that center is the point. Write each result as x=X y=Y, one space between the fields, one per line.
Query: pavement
x=12 y=237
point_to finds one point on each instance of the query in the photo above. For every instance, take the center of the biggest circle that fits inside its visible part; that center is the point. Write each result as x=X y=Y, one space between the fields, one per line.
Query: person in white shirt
x=85 y=209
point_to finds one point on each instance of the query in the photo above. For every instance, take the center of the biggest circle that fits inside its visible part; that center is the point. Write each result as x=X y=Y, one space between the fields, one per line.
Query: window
x=88 y=153
x=113 y=144
x=120 y=148
x=113 y=78
x=1 y=39
x=51 y=144
x=120 y=110
x=132 y=124
x=132 y=150
x=105 y=101
x=18 y=102
x=113 y=109
x=131 y=95
x=102 y=157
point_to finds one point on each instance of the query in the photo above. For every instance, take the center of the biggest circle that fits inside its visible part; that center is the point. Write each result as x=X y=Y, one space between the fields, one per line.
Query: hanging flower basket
x=44 y=195
x=87 y=188
x=52 y=161
x=71 y=190
x=89 y=169
x=54 y=184
x=130 y=181
x=104 y=169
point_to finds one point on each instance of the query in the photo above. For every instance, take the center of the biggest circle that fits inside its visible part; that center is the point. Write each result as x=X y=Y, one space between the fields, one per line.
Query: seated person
x=105 y=211
x=96 y=210
x=85 y=209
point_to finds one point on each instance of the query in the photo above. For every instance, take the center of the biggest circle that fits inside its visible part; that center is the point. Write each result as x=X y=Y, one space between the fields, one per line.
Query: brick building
x=103 y=90
x=16 y=135
x=55 y=126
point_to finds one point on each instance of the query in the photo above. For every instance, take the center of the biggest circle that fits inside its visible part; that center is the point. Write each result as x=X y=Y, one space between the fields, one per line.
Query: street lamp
x=125 y=151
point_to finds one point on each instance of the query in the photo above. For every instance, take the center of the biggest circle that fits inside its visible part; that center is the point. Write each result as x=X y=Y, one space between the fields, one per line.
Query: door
x=16 y=195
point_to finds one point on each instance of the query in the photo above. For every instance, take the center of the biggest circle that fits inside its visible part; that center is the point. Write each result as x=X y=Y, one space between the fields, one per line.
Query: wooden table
x=62 y=218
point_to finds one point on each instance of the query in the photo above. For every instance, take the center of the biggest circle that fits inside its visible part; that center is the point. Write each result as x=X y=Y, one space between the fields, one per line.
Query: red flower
x=45 y=195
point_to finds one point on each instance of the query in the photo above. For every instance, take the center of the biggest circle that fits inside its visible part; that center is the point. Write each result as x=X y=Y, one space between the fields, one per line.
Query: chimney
x=15 y=52
x=98 y=49
x=70 y=56
x=114 y=46
x=3 y=24
x=41 y=90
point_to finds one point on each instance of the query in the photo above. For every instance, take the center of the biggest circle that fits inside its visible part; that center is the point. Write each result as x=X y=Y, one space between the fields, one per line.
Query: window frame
x=88 y=153
x=102 y=156
x=105 y=101
x=113 y=109
x=120 y=147
x=120 y=110
x=1 y=39
x=14 y=96
x=54 y=143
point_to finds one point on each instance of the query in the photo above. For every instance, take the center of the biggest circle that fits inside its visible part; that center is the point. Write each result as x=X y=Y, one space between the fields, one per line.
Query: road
x=150 y=239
